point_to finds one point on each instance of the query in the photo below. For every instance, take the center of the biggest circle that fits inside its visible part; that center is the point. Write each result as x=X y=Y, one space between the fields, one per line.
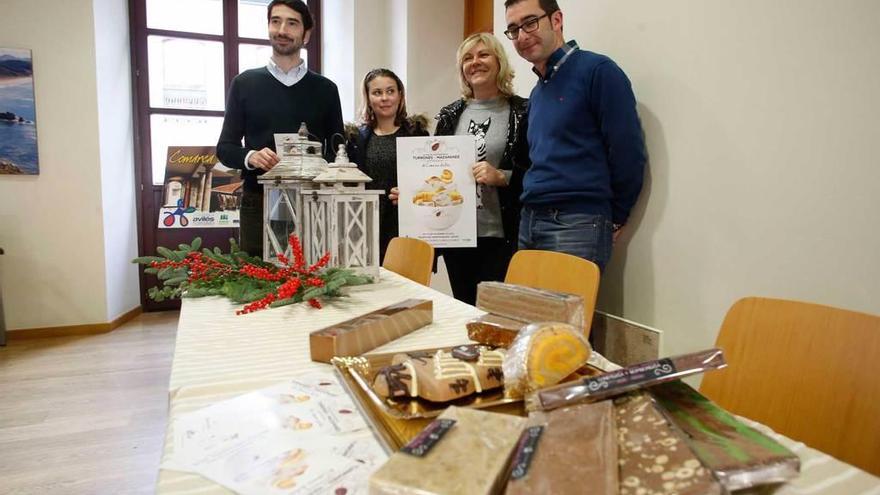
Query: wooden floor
x=86 y=414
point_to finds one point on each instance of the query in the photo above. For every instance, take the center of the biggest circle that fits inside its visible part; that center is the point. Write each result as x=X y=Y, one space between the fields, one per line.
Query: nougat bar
x=367 y=332
x=623 y=380
x=530 y=305
x=494 y=330
x=572 y=450
x=740 y=456
x=464 y=451
x=653 y=456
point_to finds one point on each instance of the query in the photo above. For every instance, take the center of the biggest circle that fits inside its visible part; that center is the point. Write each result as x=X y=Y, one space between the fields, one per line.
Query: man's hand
x=616 y=234
x=393 y=195
x=489 y=175
x=264 y=159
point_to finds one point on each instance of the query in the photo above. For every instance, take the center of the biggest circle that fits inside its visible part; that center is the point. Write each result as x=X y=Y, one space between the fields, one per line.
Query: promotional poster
x=199 y=191
x=437 y=190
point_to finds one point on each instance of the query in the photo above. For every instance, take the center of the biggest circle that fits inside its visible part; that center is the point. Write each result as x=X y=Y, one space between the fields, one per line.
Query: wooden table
x=220 y=355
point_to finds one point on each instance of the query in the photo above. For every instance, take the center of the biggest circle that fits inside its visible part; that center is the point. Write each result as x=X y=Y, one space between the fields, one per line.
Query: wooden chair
x=412 y=258
x=557 y=271
x=809 y=372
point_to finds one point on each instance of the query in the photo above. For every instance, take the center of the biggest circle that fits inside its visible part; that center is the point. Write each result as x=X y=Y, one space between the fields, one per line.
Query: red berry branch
x=188 y=272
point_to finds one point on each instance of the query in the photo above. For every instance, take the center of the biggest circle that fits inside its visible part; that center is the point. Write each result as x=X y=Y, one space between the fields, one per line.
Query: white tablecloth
x=220 y=355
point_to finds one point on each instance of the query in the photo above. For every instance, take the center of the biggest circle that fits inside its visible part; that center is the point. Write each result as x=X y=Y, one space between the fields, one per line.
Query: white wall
x=416 y=39
x=761 y=124
x=434 y=31
x=116 y=139
x=51 y=224
x=337 y=44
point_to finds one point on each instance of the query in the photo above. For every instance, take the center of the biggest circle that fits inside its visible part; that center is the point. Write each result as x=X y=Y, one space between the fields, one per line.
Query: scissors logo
x=180 y=211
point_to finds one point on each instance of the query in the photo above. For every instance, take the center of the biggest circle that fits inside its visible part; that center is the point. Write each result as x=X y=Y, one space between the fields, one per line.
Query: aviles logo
x=170 y=217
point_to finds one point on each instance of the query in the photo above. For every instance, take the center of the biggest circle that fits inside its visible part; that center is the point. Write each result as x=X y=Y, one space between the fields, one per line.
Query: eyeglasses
x=529 y=26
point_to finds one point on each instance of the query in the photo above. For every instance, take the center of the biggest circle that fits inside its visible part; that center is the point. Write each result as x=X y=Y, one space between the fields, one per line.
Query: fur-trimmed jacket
x=383 y=172
x=515 y=158
x=358 y=136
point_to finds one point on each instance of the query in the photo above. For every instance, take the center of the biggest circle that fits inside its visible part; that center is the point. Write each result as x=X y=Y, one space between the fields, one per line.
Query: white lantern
x=343 y=218
x=283 y=190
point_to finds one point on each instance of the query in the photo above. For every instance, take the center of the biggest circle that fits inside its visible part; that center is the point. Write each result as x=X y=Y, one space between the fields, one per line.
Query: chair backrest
x=412 y=258
x=809 y=372
x=557 y=271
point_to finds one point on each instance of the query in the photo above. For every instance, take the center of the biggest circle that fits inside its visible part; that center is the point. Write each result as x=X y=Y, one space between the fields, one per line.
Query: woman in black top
x=372 y=145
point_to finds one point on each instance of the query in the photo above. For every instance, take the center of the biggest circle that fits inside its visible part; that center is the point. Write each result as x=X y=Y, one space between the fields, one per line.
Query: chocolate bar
x=463 y=451
x=367 y=332
x=630 y=378
x=494 y=330
x=654 y=457
x=569 y=450
x=740 y=456
x=530 y=305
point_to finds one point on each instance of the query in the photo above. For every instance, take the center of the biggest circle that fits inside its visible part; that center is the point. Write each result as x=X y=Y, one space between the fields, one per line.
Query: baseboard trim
x=74 y=330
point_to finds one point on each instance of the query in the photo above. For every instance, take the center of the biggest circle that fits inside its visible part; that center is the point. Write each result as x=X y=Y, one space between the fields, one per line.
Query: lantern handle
x=333 y=144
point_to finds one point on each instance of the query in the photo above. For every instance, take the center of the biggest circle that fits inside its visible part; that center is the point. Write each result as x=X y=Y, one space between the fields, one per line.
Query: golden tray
x=396 y=421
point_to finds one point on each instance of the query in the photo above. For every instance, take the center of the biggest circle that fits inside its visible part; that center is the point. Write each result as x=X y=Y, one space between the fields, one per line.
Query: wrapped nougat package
x=623 y=380
x=464 y=451
x=494 y=330
x=740 y=456
x=366 y=332
x=530 y=305
x=542 y=355
x=572 y=450
x=653 y=455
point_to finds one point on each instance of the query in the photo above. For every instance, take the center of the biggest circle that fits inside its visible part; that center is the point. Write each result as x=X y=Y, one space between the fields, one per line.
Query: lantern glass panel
x=356 y=232
x=280 y=218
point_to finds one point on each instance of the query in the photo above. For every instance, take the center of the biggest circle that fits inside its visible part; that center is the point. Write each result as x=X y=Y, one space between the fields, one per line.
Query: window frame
x=147 y=192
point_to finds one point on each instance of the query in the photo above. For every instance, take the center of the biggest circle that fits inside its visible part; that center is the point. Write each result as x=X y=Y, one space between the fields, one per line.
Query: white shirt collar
x=289 y=78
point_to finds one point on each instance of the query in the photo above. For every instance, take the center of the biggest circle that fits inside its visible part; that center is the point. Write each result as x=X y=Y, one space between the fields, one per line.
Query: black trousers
x=468 y=267
x=250 y=228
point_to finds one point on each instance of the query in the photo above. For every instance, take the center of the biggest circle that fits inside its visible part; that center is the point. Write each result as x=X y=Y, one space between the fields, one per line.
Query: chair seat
x=559 y=272
x=410 y=257
x=807 y=371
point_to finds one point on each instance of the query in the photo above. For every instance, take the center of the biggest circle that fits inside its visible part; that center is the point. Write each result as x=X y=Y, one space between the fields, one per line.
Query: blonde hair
x=504 y=81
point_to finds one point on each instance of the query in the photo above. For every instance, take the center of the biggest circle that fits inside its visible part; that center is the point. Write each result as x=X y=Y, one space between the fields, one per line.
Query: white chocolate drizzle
x=414 y=381
x=446 y=366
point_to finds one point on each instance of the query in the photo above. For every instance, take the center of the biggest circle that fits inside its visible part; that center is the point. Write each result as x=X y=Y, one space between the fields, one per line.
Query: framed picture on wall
x=18 y=114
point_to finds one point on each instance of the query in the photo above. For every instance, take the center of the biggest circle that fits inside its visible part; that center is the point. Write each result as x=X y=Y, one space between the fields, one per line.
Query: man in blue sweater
x=585 y=140
x=275 y=99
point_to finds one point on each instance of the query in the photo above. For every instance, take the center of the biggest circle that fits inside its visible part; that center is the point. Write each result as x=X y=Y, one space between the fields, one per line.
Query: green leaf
x=171 y=255
x=175 y=281
x=151 y=271
x=313 y=293
x=185 y=248
x=283 y=302
x=196 y=244
x=146 y=260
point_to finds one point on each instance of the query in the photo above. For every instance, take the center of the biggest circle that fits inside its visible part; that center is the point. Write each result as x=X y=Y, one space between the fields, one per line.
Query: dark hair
x=297 y=6
x=367 y=115
x=548 y=6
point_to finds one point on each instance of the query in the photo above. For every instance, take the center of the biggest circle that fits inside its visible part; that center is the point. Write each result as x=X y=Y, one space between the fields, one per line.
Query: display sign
x=199 y=192
x=437 y=190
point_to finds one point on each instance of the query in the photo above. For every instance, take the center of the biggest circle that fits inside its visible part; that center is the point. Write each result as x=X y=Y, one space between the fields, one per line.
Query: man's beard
x=286 y=50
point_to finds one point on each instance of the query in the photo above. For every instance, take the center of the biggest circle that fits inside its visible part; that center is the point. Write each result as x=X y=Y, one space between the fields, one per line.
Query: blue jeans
x=584 y=235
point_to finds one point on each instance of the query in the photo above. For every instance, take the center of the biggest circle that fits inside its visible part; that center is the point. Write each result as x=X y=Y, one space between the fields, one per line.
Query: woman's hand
x=393 y=194
x=484 y=173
